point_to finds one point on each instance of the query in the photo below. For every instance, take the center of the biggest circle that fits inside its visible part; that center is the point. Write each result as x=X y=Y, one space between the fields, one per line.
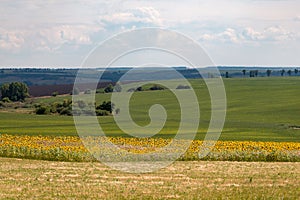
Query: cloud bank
x=62 y=33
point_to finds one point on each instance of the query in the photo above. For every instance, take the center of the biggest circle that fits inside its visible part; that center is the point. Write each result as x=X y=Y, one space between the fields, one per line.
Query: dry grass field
x=32 y=179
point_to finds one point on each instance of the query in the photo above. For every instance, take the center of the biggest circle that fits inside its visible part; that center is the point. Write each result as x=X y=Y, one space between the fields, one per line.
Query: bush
x=117 y=111
x=118 y=88
x=88 y=91
x=108 y=106
x=27 y=105
x=81 y=104
x=180 y=87
x=156 y=87
x=131 y=90
x=6 y=100
x=67 y=103
x=56 y=107
x=42 y=110
x=102 y=113
x=54 y=94
x=100 y=90
x=139 y=89
x=2 y=104
x=66 y=111
x=109 y=89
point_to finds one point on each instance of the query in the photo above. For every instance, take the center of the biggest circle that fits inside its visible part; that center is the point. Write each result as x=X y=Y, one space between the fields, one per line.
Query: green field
x=258 y=109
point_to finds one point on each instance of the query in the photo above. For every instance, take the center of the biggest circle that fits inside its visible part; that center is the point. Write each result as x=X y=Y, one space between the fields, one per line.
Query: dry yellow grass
x=31 y=179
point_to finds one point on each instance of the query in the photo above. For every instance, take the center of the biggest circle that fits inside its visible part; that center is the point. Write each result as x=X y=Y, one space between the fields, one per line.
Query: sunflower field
x=71 y=148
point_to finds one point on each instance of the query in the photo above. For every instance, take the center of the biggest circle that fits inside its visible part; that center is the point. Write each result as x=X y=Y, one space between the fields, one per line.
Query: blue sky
x=233 y=32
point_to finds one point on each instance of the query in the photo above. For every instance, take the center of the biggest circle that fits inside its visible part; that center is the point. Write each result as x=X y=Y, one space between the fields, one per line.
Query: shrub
x=109 y=89
x=100 y=90
x=131 y=90
x=67 y=103
x=139 y=89
x=66 y=111
x=118 y=88
x=2 y=104
x=6 y=100
x=27 y=105
x=108 y=106
x=102 y=113
x=180 y=87
x=42 y=110
x=54 y=94
x=156 y=87
x=81 y=104
x=88 y=91
x=117 y=111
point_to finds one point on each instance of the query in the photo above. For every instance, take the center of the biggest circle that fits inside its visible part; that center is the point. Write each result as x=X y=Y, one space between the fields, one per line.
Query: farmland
x=261 y=127
x=82 y=150
x=258 y=109
x=31 y=179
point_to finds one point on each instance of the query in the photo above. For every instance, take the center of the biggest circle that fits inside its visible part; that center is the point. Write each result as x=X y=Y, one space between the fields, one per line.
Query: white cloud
x=277 y=33
x=143 y=15
x=47 y=38
x=229 y=35
x=11 y=40
x=297 y=18
x=249 y=34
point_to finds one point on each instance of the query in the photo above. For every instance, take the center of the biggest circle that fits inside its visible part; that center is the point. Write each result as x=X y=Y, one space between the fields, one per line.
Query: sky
x=233 y=32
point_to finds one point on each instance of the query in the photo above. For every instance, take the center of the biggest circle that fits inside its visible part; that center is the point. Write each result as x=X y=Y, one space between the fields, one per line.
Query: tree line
x=268 y=73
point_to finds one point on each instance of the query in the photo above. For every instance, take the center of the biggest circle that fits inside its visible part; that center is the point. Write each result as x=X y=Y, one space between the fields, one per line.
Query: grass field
x=31 y=179
x=259 y=109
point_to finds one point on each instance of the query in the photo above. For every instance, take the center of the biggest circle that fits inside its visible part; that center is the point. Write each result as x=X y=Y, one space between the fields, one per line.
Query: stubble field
x=31 y=179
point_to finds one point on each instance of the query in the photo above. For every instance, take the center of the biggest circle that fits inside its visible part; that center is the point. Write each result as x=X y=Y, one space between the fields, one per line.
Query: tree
x=282 y=72
x=227 y=75
x=5 y=91
x=15 y=91
x=296 y=71
x=108 y=106
x=244 y=72
x=109 y=89
x=54 y=94
x=289 y=72
x=269 y=72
